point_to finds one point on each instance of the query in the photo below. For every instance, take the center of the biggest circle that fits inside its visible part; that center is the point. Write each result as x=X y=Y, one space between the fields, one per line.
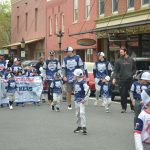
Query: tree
x=5 y=23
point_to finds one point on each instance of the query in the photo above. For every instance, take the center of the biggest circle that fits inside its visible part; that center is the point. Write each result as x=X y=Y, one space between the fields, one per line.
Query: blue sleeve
x=139 y=125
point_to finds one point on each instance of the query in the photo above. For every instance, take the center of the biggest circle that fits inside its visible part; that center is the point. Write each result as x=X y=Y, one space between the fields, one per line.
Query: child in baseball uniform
x=142 y=128
x=11 y=89
x=56 y=89
x=106 y=93
x=81 y=94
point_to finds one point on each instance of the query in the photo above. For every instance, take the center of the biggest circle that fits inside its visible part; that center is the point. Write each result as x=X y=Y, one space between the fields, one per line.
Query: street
x=38 y=128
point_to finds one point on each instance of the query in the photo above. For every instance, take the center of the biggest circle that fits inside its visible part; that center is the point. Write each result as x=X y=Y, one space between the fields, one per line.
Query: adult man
x=101 y=68
x=124 y=70
x=50 y=67
x=70 y=63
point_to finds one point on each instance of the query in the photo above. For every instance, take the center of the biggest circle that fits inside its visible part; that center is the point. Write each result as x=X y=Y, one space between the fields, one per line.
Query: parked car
x=142 y=64
x=91 y=81
x=29 y=63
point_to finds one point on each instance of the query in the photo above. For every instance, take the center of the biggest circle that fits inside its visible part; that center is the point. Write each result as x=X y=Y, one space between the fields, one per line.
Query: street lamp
x=60 y=35
x=22 y=48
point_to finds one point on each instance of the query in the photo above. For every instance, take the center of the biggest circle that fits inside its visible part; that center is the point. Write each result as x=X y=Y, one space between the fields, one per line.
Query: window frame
x=114 y=11
x=130 y=7
x=62 y=22
x=144 y=5
x=56 y=24
x=75 y=11
x=87 y=8
x=50 y=26
x=100 y=1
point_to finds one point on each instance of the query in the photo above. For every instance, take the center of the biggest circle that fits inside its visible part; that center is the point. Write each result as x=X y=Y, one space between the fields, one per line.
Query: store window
x=146 y=45
x=101 y=7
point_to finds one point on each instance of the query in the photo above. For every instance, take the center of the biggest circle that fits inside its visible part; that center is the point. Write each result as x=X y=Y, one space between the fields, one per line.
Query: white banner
x=29 y=89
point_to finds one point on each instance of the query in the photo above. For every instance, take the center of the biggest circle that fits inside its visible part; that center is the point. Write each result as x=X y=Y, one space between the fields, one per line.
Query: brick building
x=73 y=18
x=28 y=23
x=131 y=18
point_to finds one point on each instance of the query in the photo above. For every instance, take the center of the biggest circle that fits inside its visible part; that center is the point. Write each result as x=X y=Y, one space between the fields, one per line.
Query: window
x=130 y=4
x=145 y=2
x=26 y=22
x=56 y=24
x=75 y=10
x=87 y=14
x=62 y=23
x=50 y=26
x=101 y=7
x=18 y=19
x=114 y=5
x=36 y=18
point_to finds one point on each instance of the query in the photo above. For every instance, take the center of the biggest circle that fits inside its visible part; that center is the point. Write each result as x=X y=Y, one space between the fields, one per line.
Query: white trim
x=144 y=5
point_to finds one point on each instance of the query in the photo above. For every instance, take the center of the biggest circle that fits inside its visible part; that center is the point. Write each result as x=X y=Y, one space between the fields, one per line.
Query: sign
x=29 y=89
x=86 y=42
x=117 y=36
x=23 y=54
x=4 y=51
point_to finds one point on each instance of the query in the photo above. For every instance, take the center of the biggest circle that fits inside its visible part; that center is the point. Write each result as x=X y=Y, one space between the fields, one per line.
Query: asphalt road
x=38 y=128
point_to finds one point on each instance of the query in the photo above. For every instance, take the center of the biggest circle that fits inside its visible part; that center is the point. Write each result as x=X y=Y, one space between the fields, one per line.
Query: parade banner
x=29 y=89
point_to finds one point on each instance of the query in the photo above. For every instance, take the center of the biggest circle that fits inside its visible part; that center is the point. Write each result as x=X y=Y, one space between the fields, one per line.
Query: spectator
x=39 y=64
x=2 y=64
x=124 y=70
x=101 y=68
x=70 y=63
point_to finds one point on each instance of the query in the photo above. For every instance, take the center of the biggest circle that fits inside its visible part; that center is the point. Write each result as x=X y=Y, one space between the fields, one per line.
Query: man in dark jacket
x=124 y=70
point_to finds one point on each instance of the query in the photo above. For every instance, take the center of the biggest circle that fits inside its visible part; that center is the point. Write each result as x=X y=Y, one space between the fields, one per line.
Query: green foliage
x=5 y=23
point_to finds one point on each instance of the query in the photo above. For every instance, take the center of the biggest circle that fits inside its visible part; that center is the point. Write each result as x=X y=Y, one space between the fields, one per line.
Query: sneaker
x=57 y=109
x=77 y=130
x=84 y=131
x=107 y=111
x=123 y=111
x=10 y=107
x=53 y=107
x=69 y=107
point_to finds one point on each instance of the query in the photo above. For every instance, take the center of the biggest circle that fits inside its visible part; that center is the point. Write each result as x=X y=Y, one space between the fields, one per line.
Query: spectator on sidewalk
x=124 y=70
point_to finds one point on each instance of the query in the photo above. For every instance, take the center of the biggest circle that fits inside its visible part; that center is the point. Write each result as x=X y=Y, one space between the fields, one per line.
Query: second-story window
x=36 y=18
x=50 y=26
x=56 y=24
x=114 y=5
x=101 y=7
x=87 y=13
x=145 y=2
x=62 y=23
x=75 y=10
x=18 y=22
x=130 y=4
x=26 y=23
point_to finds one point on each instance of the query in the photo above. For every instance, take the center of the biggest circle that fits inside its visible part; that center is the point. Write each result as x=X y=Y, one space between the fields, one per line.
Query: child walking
x=11 y=89
x=142 y=128
x=56 y=89
x=81 y=94
x=106 y=93
x=135 y=93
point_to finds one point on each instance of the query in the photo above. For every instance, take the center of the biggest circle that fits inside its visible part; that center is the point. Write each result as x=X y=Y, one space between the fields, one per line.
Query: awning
x=119 y=26
x=126 y=25
x=26 y=42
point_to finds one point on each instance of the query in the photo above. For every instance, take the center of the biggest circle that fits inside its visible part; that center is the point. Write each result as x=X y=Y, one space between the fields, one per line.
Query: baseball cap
x=145 y=76
x=145 y=95
x=78 y=73
x=100 y=54
x=69 y=49
x=51 y=52
x=107 y=78
x=57 y=74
